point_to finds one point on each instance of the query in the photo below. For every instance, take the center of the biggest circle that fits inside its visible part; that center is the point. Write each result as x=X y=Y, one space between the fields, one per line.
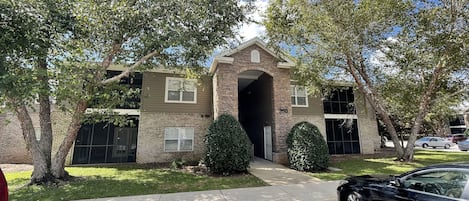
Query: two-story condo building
x=251 y=82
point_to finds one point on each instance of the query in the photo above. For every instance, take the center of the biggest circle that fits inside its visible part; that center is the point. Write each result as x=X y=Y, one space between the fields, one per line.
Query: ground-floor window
x=178 y=139
x=105 y=143
x=342 y=136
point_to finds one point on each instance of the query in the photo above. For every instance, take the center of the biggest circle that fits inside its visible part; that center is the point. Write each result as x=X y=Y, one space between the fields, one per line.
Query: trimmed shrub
x=228 y=146
x=307 y=149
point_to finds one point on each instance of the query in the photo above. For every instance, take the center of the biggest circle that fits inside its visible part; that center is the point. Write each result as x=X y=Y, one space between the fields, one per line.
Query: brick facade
x=12 y=144
x=225 y=93
x=150 y=141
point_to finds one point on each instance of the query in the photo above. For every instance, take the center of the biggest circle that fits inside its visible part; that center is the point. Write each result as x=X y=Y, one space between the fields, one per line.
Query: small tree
x=228 y=146
x=307 y=149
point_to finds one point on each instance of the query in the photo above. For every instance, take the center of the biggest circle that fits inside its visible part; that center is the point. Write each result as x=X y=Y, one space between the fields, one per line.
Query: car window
x=446 y=183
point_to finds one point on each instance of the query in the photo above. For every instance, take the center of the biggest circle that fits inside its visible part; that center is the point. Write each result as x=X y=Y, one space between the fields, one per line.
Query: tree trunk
x=46 y=138
x=423 y=110
x=58 y=163
x=41 y=173
x=373 y=100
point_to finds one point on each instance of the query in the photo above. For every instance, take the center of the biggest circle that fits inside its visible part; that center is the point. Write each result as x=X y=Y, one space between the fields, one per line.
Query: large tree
x=63 y=48
x=404 y=56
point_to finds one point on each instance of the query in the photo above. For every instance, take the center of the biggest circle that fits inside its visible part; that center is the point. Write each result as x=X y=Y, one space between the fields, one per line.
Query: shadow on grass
x=387 y=165
x=97 y=182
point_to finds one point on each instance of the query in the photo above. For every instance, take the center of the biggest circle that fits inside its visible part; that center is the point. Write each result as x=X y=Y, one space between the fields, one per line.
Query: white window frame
x=168 y=79
x=179 y=139
x=295 y=95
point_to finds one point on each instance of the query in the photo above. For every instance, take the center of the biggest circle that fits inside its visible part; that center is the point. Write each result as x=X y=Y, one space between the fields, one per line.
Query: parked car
x=433 y=142
x=3 y=187
x=455 y=138
x=437 y=183
x=464 y=145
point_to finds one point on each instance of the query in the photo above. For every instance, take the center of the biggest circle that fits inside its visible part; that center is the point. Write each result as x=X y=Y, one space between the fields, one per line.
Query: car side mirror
x=395 y=181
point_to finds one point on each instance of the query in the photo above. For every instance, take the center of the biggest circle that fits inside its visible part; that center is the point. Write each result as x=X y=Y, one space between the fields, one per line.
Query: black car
x=437 y=182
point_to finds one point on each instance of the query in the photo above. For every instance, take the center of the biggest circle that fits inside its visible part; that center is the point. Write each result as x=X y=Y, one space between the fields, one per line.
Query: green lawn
x=388 y=165
x=96 y=182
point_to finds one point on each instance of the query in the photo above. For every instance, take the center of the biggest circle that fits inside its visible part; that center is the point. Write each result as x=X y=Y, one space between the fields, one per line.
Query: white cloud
x=255 y=29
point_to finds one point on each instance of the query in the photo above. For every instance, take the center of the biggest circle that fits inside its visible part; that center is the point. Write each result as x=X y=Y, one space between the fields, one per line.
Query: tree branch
x=373 y=100
x=425 y=102
x=130 y=69
x=116 y=47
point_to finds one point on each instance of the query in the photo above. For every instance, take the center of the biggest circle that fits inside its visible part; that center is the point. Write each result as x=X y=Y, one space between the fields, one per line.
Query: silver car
x=464 y=145
x=433 y=142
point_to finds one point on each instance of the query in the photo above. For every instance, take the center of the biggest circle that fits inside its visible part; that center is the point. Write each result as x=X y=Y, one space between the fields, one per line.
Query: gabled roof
x=225 y=57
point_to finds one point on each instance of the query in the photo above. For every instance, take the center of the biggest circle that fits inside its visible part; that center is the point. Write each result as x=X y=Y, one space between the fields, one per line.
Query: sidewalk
x=286 y=185
x=323 y=191
x=276 y=174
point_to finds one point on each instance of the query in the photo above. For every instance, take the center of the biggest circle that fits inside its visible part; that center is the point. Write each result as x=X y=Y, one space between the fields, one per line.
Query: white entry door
x=268 y=143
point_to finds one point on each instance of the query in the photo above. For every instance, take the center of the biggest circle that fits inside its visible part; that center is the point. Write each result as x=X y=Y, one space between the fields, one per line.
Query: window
x=255 y=57
x=340 y=101
x=448 y=183
x=299 y=97
x=129 y=90
x=106 y=143
x=37 y=130
x=180 y=90
x=342 y=136
x=178 y=139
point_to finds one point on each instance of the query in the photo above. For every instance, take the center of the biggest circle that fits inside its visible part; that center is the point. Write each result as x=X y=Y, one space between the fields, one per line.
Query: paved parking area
x=453 y=148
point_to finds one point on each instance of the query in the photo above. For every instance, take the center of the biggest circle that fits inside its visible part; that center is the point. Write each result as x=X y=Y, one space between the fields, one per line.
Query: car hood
x=370 y=179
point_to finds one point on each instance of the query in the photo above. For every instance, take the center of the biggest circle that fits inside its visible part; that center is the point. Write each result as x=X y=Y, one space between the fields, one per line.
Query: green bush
x=307 y=149
x=228 y=146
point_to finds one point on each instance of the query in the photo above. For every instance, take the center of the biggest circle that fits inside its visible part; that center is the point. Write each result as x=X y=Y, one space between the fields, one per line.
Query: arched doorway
x=255 y=110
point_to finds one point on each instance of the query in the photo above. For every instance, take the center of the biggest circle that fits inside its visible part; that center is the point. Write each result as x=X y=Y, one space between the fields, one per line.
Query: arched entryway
x=255 y=110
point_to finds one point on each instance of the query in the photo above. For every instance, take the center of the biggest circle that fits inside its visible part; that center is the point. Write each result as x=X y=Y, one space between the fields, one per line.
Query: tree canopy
x=406 y=57
x=61 y=50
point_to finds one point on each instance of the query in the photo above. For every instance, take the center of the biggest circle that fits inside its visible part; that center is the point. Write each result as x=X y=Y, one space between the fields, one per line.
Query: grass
x=98 y=182
x=373 y=166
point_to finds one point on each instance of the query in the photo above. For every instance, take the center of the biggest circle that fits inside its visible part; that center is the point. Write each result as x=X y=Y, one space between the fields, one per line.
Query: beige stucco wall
x=317 y=120
x=150 y=142
x=367 y=125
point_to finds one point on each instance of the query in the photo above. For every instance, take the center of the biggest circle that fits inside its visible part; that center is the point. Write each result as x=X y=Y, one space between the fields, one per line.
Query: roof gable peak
x=225 y=57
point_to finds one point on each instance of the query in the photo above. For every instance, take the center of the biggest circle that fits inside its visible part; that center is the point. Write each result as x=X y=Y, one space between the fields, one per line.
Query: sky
x=251 y=30
x=248 y=31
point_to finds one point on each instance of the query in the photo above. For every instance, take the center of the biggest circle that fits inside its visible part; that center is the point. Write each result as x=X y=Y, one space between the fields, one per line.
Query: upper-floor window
x=340 y=101
x=180 y=90
x=129 y=88
x=299 y=97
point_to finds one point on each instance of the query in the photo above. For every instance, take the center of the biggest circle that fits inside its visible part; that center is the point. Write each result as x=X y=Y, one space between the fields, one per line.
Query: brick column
x=282 y=115
x=225 y=91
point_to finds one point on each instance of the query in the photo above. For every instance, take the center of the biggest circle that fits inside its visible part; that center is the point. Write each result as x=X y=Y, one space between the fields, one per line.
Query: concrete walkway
x=286 y=185
x=323 y=191
x=276 y=174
